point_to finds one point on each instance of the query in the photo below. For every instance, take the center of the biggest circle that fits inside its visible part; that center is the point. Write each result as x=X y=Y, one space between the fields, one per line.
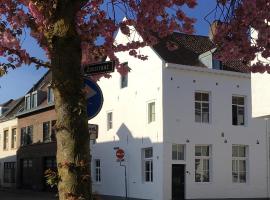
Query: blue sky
x=17 y=82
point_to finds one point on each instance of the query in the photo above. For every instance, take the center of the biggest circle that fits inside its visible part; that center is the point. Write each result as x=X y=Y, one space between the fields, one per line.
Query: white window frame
x=34 y=99
x=97 y=171
x=201 y=102
x=6 y=139
x=147 y=160
x=27 y=102
x=13 y=144
x=237 y=107
x=151 y=113
x=237 y=159
x=109 y=120
x=201 y=159
x=179 y=147
x=50 y=95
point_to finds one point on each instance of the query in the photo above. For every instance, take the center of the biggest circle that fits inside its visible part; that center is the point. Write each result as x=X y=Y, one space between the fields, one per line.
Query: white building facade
x=185 y=125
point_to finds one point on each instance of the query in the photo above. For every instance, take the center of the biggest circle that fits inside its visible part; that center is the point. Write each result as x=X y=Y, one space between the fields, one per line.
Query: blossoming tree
x=68 y=31
x=244 y=32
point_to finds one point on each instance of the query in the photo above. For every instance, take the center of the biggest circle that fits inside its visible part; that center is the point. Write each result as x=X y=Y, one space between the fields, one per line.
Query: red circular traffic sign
x=120 y=154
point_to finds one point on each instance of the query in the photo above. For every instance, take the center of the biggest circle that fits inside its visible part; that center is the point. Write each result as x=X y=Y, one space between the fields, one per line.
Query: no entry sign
x=120 y=154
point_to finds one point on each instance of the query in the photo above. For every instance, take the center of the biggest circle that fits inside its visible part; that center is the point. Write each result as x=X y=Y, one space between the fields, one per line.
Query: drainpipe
x=267 y=154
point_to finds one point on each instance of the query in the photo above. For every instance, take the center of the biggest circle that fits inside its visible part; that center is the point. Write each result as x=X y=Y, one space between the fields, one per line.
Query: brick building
x=36 y=138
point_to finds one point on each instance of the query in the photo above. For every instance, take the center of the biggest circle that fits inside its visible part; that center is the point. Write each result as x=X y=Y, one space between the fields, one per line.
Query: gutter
x=206 y=70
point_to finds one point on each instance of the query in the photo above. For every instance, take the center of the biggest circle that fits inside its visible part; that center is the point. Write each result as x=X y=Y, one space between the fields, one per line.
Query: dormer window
x=216 y=64
x=3 y=110
x=27 y=102
x=31 y=100
x=50 y=95
x=34 y=99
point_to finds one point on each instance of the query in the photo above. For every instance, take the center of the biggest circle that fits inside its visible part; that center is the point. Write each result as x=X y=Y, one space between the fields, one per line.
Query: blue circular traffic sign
x=94 y=98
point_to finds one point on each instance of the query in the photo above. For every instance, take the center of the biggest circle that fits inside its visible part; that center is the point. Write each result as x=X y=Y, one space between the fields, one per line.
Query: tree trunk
x=73 y=151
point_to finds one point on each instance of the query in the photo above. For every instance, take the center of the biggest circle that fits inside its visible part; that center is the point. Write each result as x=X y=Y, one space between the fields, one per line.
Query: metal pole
x=125 y=178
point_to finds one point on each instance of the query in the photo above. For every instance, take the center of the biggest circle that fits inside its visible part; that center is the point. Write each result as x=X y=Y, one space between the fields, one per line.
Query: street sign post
x=94 y=98
x=93 y=131
x=120 y=155
x=99 y=68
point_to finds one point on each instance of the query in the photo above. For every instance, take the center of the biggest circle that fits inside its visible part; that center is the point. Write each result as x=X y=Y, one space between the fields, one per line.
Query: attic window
x=31 y=100
x=50 y=95
x=124 y=78
x=216 y=64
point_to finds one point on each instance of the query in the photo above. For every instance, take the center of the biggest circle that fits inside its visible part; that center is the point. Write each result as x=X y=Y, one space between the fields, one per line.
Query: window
x=151 y=112
x=124 y=78
x=27 y=102
x=13 y=138
x=50 y=95
x=238 y=110
x=202 y=161
x=34 y=100
x=97 y=171
x=202 y=107
x=27 y=163
x=50 y=163
x=178 y=151
x=49 y=131
x=31 y=100
x=27 y=135
x=239 y=163
x=148 y=164
x=5 y=144
x=46 y=132
x=9 y=172
x=216 y=64
x=109 y=120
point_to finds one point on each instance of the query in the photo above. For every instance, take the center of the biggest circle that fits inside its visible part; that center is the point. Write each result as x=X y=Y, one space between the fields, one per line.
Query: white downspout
x=267 y=154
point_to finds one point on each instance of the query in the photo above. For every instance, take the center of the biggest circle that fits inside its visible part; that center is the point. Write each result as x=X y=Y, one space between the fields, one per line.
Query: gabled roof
x=13 y=107
x=189 y=49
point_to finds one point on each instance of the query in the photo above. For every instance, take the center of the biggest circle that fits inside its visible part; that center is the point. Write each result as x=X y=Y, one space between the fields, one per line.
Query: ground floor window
x=202 y=163
x=239 y=163
x=148 y=164
x=9 y=172
x=97 y=171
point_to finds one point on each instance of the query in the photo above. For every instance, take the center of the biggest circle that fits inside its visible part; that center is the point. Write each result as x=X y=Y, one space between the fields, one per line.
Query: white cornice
x=206 y=70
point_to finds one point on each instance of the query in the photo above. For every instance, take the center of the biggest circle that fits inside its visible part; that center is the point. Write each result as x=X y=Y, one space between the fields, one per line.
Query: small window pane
x=205 y=97
x=241 y=101
x=198 y=151
x=205 y=151
x=235 y=151
x=174 y=151
x=148 y=153
x=198 y=96
x=234 y=100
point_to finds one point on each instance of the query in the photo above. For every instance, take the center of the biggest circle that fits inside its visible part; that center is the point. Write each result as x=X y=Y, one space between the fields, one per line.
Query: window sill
x=203 y=183
x=148 y=183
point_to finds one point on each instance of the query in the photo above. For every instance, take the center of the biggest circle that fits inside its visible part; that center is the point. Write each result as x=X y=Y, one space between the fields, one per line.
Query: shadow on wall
x=112 y=178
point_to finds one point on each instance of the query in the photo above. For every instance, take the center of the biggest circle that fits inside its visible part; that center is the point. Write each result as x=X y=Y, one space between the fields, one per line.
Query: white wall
x=260 y=94
x=10 y=154
x=179 y=125
x=131 y=130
